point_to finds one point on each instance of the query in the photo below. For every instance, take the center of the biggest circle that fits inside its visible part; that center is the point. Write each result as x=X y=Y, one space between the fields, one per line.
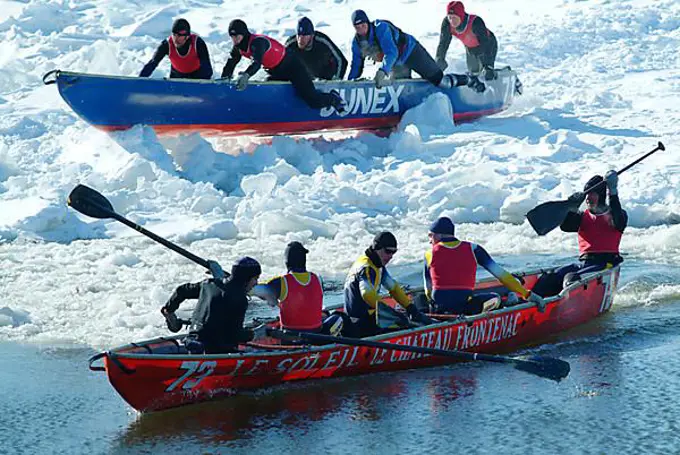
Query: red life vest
x=597 y=234
x=301 y=307
x=184 y=63
x=453 y=267
x=272 y=56
x=467 y=36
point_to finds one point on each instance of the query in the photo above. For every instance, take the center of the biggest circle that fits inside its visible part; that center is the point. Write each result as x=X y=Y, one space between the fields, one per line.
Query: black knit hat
x=296 y=256
x=384 y=239
x=245 y=269
x=238 y=27
x=181 y=27
x=601 y=190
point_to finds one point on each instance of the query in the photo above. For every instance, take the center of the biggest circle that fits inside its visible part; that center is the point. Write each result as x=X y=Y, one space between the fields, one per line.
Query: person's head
x=596 y=198
x=305 y=33
x=455 y=12
x=442 y=229
x=385 y=246
x=238 y=31
x=296 y=256
x=246 y=271
x=180 y=31
x=360 y=22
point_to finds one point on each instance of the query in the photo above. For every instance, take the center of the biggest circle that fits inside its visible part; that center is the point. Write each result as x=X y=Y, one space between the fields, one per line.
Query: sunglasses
x=181 y=34
x=390 y=251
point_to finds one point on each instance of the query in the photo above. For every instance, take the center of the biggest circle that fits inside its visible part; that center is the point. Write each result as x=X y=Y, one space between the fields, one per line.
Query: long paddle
x=92 y=203
x=545 y=367
x=547 y=216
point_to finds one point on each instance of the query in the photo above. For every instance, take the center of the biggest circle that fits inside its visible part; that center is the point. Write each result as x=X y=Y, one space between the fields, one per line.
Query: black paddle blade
x=90 y=202
x=547 y=216
x=545 y=367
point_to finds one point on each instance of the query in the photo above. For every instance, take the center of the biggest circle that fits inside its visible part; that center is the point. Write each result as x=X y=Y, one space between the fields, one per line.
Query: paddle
x=545 y=367
x=547 y=216
x=92 y=203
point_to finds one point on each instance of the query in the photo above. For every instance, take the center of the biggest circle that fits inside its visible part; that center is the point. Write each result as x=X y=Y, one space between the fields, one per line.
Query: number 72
x=201 y=369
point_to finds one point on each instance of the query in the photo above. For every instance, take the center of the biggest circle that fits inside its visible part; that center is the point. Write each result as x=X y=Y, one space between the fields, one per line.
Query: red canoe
x=159 y=374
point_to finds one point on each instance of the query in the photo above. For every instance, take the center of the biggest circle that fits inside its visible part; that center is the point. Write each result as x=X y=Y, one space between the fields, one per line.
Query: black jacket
x=323 y=59
x=204 y=72
x=218 y=317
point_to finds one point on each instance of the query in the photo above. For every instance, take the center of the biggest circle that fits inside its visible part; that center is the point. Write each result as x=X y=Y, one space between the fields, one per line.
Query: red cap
x=456 y=8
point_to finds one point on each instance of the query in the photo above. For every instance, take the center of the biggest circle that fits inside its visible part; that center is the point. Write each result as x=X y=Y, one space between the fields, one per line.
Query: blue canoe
x=215 y=107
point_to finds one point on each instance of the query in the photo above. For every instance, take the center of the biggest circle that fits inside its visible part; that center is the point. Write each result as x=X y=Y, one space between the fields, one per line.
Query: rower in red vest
x=451 y=272
x=189 y=58
x=298 y=294
x=267 y=53
x=600 y=228
x=480 y=43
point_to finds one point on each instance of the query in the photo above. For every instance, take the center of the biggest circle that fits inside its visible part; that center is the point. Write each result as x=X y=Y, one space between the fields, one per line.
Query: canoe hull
x=173 y=106
x=154 y=375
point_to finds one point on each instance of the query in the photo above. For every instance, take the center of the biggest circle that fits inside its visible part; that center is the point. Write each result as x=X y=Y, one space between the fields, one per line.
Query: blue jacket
x=384 y=41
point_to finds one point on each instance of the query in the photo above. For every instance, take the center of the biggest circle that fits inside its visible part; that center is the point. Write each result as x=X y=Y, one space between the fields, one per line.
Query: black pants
x=422 y=63
x=291 y=69
x=479 y=58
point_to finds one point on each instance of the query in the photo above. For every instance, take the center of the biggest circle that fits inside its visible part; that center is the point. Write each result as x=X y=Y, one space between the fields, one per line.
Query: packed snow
x=602 y=86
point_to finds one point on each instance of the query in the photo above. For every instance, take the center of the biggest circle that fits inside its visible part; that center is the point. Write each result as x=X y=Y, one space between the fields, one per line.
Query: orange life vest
x=302 y=303
x=467 y=36
x=272 y=56
x=597 y=234
x=184 y=63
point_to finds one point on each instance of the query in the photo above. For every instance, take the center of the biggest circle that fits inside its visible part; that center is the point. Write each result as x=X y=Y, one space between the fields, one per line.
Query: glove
x=442 y=64
x=538 y=300
x=612 y=178
x=475 y=84
x=416 y=316
x=242 y=81
x=216 y=270
x=489 y=73
x=575 y=200
x=174 y=324
x=382 y=79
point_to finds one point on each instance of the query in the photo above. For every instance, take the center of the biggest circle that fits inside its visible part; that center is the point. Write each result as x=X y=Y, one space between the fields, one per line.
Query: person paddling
x=217 y=321
x=189 y=58
x=364 y=280
x=600 y=228
x=265 y=52
x=450 y=274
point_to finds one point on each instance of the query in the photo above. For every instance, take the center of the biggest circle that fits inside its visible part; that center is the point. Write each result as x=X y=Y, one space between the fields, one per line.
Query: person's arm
x=258 y=47
x=339 y=61
x=395 y=289
x=183 y=292
x=427 y=278
x=619 y=216
x=234 y=58
x=206 y=70
x=357 y=67
x=383 y=33
x=444 y=40
x=291 y=43
x=572 y=222
x=368 y=288
x=162 y=50
x=270 y=292
x=506 y=278
x=481 y=32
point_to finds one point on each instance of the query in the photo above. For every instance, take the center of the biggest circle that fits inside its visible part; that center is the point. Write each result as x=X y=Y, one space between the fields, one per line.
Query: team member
x=451 y=270
x=480 y=43
x=189 y=58
x=322 y=58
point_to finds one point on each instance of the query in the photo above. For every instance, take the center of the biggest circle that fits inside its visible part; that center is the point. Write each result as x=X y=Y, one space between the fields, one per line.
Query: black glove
x=416 y=316
x=575 y=200
x=489 y=73
x=174 y=324
x=475 y=84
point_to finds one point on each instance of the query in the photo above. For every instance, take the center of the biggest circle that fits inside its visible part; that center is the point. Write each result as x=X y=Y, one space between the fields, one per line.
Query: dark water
x=622 y=396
